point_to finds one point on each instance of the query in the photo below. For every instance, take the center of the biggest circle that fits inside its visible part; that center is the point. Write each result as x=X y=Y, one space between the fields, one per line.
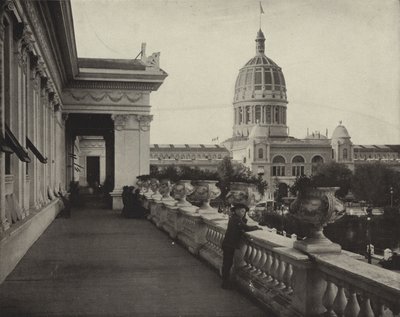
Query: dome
x=340 y=132
x=260 y=77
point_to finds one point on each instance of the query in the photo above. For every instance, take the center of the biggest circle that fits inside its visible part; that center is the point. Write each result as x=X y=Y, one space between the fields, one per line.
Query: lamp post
x=369 y=217
x=391 y=196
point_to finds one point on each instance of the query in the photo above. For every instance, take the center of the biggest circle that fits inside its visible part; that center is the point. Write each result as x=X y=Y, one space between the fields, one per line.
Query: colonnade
x=31 y=124
x=264 y=114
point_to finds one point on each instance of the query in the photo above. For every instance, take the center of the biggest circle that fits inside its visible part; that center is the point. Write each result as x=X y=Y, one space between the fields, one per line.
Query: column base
x=116 y=196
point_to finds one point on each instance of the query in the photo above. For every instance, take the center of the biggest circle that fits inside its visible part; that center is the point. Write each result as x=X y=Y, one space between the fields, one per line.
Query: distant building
x=203 y=156
x=261 y=138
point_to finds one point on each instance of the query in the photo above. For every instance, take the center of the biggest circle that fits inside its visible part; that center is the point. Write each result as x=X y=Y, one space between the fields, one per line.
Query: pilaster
x=131 y=151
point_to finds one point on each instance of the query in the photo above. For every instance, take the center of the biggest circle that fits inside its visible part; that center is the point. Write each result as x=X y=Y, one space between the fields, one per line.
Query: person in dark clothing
x=237 y=225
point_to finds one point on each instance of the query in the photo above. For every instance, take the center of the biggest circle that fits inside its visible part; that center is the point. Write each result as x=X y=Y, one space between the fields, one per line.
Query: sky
x=340 y=59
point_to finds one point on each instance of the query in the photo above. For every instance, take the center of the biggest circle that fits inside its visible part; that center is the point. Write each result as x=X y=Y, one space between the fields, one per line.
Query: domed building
x=261 y=140
x=260 y=137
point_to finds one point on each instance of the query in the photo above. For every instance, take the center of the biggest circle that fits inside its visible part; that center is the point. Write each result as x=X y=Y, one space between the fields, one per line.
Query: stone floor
x=99 y=264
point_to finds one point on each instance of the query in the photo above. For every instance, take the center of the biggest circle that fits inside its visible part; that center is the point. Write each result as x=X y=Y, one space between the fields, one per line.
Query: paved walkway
x=98 y=264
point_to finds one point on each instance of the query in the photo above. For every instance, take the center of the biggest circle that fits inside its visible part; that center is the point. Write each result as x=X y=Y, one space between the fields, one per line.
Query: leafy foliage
x=372 y=183
x=333 y=175
x=326 y=175
x=228 y=173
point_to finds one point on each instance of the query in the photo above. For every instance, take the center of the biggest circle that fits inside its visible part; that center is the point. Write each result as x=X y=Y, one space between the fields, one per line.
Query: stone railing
x=283 y=279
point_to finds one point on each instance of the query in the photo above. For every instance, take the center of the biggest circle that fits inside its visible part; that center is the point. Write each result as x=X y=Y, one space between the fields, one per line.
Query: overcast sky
x=340 y=59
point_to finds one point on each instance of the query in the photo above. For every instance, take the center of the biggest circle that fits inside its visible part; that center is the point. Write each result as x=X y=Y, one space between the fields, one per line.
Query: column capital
x=144 y=121
x=120 y=121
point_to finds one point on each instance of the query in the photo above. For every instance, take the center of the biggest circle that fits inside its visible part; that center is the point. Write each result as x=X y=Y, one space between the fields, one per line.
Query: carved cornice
x=144 y=122
x=42 y=39
x=113 y=85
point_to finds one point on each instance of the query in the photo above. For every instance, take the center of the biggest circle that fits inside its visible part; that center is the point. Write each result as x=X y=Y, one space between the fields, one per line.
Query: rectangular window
x=249 y=76
x=268 y=78
x=276 y=79
x=268 y=114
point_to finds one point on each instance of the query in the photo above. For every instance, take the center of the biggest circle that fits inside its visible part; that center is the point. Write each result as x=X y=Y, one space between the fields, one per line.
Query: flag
x=261 y=9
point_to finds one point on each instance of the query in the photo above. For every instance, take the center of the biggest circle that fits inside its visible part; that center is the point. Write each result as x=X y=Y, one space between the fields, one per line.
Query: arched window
x=260 y=153
x=298 y=166
x=298 y=159
x=317 y=159
x=345 y=155
x=278 y=166
x=278 y=160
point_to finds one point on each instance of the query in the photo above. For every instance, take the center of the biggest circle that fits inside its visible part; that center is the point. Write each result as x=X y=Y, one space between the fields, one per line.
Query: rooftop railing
x=283 y=279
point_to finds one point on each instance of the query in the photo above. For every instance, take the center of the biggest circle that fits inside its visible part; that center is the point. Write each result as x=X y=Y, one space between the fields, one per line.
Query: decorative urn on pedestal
x=165 y=190
x=316 y=207
x=205 y=191
x=242 y=193
x=154 y=186
x=182 y=189
x=146 y=188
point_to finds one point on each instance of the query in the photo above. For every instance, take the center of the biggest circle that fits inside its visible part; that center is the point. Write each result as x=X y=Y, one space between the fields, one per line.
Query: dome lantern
x=260 y=43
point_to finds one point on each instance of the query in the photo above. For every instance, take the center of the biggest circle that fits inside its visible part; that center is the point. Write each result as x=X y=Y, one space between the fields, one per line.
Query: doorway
x=93 y=171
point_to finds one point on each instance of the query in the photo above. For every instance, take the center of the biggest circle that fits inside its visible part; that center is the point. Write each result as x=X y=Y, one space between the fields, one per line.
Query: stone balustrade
x=285 y=280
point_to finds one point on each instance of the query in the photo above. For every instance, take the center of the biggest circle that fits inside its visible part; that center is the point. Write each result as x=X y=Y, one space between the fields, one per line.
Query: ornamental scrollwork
x=120 y=121
x=144 y=122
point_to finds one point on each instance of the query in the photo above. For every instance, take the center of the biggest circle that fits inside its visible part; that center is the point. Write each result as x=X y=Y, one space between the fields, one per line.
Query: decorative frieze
x=109 y=96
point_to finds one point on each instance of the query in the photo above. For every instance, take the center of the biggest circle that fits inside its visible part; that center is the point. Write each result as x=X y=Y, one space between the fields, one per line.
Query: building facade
x=203 y=156
x=48 y=98
x=261 y=139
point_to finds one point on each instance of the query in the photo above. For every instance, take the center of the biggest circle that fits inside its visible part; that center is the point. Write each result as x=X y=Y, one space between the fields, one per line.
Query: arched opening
x=298 y=166
x=278 y=166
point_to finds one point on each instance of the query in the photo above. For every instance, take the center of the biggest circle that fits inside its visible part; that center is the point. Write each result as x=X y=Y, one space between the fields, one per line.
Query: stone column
x=4 y=224
x=131 y=152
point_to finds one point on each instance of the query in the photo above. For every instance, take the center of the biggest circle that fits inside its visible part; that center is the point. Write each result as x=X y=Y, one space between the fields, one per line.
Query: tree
x=333 y=175
x=225 y=172
x=372 y=183
x=228 y=173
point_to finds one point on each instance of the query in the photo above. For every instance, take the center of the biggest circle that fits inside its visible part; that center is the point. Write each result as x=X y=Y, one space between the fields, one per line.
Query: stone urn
x=154 y=186
x=165 y=190
x=181 y=190
x=242 y=193
x=146 y=190
x=205 y=191
x=316 y=207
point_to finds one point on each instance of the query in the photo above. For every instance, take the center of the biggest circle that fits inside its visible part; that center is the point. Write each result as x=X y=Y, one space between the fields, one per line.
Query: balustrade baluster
x=329 y=298
x=281 y=272
x=246 y=256
x=252 y=257
x=339 y=305
x=256 y=260
x=213 y=236
x=287 y=278
x=268 y=267
x=261 y=265
x=274 y=270
x=366 y=309
x=352 y=307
